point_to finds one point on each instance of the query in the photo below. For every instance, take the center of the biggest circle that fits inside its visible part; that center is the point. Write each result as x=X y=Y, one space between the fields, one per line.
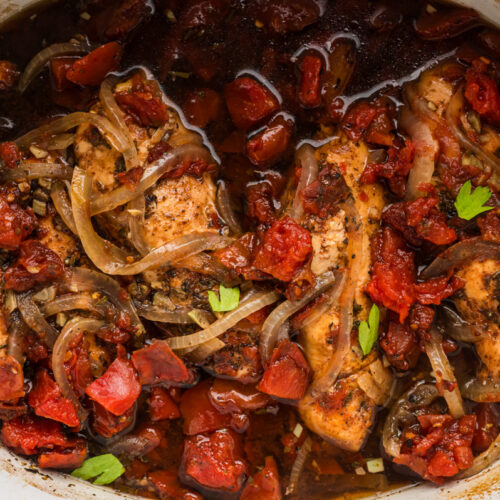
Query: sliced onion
x=136 y=210
x=32 y=170
x=455 y=107
x=72 y=329
x=61 y=141
x=402 y=413
x=306 y=158
x=457 y=328
x=426 y=149
x=153 y=172
x=225 y=209
x=358 y=250
x=257 y=302
x=298 y=465
x=273 y=323
x=461 y=253
x=61 y=203
x=481 y=391
x=483 y=460
x=35 y=320
x=154 y=313
x=72 y=301
x=204 y=263
x=109 y=132
x=36 y=64
x=79 y=279
x=113 y=260
x=444 y=373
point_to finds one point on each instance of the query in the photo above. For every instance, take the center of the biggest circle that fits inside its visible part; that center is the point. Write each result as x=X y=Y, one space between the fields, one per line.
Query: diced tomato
x=202 y=107
x=108 y=425
x=487 y=426
x=463 y=457
x=231 y=396
x=10 y=154
x=357 y=119
x=11 y=379
x=266 y=147
x=490 y=226
x=168 y=486
x=215 y=461
x=260 y=202
x=287 y=375
x=401 y=346
x=162 y=406
x=309 y=92
x=47 y=401
x=195 y=168
x=434 y=290
x=126 y=17
x=265 y=484
x=71 y=458
x=35 y=264
x=158 y=363
x=26 y=435
x=158 y=150
x=59 y=67
x=118 y=389
x=199 y=414
x=16 y=224
x=285 y=248
x=249 y=102
x=77 y=365
x=94 y=67
x=9 y=75
x=442 y=464
x=144 y=104
x=482 y=92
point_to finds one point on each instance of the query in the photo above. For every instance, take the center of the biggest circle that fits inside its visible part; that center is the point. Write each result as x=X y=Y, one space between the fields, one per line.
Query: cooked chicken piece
x=56 y=237
x=478 y=303
x=344 y=414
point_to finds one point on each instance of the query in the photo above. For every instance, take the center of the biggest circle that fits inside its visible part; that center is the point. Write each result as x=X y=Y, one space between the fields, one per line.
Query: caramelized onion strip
x=61 y=203
x=32 y=170
x=306 y=158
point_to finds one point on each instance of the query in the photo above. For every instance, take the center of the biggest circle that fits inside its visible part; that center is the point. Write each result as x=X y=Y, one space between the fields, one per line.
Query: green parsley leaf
x=105 y=468
x=469 y=204
x=228 y=299
x=368 y=331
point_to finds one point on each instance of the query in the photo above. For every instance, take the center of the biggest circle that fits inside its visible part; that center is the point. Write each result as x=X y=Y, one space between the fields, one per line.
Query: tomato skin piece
x=287 y=374
x=309 y=92
x=232 y=396
x=91 y=69
x=249 y=102
x=285 y=248
x=158 y=363
x=214 y=461
x=47 y=401
x=11 y=379
x=59 y=67
x=27 y=434
x=118 y=389
x=162 y=406
x=265 y=485
x=266 y=147
x=67 y=459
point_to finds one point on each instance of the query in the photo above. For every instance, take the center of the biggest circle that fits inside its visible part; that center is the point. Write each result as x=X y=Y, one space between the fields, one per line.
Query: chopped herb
x=105 y=468
x=228 y=299
x=469 y=204
x=368 y=332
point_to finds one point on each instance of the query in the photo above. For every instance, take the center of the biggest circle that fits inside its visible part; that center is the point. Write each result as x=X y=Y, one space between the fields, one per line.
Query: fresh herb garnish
x=105 y=468
x=469 y=204
x=368 y=332
x=228 y=299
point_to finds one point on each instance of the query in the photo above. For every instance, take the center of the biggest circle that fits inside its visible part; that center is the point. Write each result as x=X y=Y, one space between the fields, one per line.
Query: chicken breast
x=344 y=413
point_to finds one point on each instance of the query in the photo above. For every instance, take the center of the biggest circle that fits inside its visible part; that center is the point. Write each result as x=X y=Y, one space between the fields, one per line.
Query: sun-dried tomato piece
x=126 y=17
x=16 y=224
x=214 y=461
x=309 y=92
x=11 y=379
x=118 y=389
x=195 y=168
x=260 y=202
x=10 y=154
x=131 y=177
x=265 y=484
x=487 y=426
x=286 y=16
x=35 y=264
x=202 y=107
x=47 y=401
x=285 y=248
x=434 y=290
x=162 y=406
x=167 y=485
x=232 y=396
x=59 y=67
x=9 y=75
x=249 y=102
x=490 y=226
x=445 y=22
x=287 y=374
x=401 y=346
x=158 y=363
x=108 y=425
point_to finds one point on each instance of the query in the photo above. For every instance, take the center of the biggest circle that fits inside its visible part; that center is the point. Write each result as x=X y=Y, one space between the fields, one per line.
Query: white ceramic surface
x=19 y=480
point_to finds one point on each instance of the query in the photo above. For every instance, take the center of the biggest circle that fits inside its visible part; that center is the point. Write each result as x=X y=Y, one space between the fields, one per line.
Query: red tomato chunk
x=162 y=406
x=10 y=154
x=11 y=379
x=231 y=396
x=285 y=248
x=59 y=67
x=158 y=363
x=118 y=389
x=126 y=17
x=16 y=224
x=35 y=264
x=215 y=461
x=8 y=75
x=108 y=425
x=487 y=426
x=310 y=92
x=202 y=107
x=168 y=486
x=67 y=459
x=249 y=102
x=265 y=485
x=47 y=401
x=287 y=375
